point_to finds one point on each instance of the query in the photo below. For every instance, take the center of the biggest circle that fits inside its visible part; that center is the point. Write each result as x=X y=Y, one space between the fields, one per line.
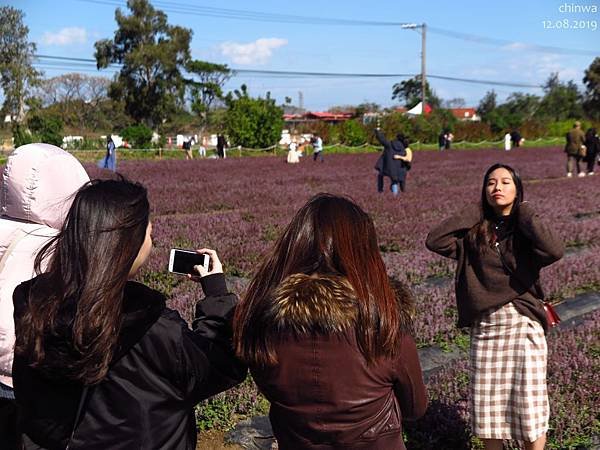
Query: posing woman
x=100 y=362
x=326 y=338
x=500 y=245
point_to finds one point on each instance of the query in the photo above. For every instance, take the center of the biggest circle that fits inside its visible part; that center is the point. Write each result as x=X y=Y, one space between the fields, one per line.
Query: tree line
x=160 y=87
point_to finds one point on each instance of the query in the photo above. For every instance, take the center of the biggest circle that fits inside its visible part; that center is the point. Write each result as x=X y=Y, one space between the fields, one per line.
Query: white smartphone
x=183 y=261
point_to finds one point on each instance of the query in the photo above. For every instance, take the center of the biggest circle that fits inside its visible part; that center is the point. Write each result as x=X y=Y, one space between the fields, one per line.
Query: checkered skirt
x=508 y=376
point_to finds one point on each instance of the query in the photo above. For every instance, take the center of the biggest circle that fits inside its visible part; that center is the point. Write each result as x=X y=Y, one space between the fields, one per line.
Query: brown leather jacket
x=323 y=393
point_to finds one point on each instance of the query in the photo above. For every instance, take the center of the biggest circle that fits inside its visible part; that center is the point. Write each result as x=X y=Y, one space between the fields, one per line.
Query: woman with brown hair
x=100 y=362
x=500 y=245
x=326 y=338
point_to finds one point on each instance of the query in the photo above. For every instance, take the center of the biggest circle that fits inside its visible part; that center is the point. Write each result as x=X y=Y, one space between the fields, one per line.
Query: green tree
x=206 y=85
x=139 y=136
x=17 y=74
x=591 y=80
x=47 y=128
x=152 y=54
x=410 y=91
x=561 y=100
x=252 y=122
x=487 y=105
x=353 y=133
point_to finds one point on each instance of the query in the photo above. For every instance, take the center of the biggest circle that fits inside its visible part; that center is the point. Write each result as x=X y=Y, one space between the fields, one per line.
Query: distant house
x=329 y=117
x=466 y=114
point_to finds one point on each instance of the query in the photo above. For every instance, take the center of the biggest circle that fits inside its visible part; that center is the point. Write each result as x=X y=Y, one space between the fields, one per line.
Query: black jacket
x=386 y=164
x=160 y=370
x=593 y=146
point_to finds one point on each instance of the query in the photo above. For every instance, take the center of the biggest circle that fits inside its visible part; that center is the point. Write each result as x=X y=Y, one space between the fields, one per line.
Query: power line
x=86 y=62
x=260 y=16
x=504 y=42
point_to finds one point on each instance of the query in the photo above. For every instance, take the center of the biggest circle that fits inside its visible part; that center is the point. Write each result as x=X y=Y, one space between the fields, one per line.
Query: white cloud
x=516 y=46
x=66 y=36
x=257 y=52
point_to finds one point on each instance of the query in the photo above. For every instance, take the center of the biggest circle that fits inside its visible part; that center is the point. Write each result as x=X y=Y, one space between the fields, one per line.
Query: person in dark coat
x=592 y=144
x=516 y=138
x=326 y=336
x=393 y=163
x=221 y=145
x=100 y=361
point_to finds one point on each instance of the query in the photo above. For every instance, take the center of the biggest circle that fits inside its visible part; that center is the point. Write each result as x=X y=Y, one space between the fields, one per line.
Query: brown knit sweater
x=482 y=282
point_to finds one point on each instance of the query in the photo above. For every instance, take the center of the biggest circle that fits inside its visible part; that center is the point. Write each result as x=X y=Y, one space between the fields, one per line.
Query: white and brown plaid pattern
x=508 y=376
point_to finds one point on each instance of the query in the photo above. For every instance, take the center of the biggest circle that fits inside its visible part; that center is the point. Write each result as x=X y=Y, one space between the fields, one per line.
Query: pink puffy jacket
x=38 y=184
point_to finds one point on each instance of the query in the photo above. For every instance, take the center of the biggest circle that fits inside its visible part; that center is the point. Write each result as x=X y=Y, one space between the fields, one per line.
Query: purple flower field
x=239 y=206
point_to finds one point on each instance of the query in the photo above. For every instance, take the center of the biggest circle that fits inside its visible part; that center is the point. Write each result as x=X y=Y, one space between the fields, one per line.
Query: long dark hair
x=481 y=236
x=72 y=321
x=329 y=235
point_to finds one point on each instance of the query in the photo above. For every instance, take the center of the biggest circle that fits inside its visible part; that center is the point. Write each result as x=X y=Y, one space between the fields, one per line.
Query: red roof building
x=465 y=114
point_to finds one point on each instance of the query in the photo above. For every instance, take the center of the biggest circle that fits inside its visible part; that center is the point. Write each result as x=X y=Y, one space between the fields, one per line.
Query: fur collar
x=313 y=303
x=304 y=304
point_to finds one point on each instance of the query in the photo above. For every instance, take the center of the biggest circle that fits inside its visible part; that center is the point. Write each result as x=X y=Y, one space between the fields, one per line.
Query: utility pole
x=300 y=100
x=423 y=79
x=423 y=27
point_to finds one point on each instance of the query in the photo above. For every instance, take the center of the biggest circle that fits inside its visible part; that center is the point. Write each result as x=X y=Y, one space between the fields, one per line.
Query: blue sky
x=510 y=51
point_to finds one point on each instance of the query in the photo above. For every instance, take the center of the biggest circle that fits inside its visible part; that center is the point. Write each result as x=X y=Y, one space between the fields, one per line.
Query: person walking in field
x=500 y=245
x=575 y=149
x=592 y=145
x=317 y=143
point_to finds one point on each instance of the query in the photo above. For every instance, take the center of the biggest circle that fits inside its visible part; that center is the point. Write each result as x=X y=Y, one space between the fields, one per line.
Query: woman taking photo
x=100 y=362
x=326 y=338
x=500 y=246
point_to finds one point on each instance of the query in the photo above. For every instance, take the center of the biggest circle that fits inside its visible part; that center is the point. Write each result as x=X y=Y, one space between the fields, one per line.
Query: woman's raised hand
x=214 y=265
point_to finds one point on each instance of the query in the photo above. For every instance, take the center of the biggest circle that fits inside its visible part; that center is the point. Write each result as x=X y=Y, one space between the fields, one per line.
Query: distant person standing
x=507 y=142
x=393 y=163
x=221 y=146
x=575 y=149
x=202 y=148
x=293 y=154
x=110 y=159
x=187 y=147
x=442 y=140
x=516 y=138
x=592 y=144
x=317 y=143
x=449 y=139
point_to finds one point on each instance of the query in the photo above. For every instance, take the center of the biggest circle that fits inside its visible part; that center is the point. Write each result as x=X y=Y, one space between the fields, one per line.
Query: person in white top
x=293 y=156
x=38 y=184
x=507 y=141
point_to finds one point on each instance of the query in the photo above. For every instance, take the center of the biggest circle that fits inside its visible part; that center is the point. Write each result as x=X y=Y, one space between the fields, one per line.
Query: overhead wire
x=87 y=62
x=261 y=16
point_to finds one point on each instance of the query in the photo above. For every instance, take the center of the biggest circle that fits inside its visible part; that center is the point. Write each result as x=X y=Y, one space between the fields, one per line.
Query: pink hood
x=36 y=184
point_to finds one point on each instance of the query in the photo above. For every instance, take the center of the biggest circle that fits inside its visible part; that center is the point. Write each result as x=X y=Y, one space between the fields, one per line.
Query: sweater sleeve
x=408 y=385
x=208 y=360
x=381 y=138
x=547 y=245
x=443 y=239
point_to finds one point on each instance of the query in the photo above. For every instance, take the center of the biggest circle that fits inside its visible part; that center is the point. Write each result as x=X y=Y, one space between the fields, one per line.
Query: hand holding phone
x=185 y=262
x=214 y=265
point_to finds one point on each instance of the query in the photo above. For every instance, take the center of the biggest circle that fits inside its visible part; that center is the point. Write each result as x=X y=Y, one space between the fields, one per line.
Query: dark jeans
x=8 y=425
x=590 y=163
x=318 y=155
x=380 y=178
